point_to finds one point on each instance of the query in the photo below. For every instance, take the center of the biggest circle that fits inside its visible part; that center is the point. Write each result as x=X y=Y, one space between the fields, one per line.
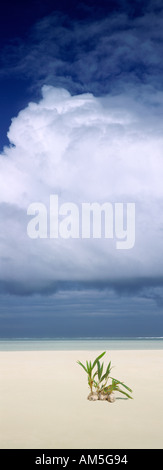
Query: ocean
x=88 y=344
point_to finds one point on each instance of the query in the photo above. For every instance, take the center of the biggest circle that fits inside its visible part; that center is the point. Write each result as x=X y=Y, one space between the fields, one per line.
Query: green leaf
x=104 y=377
x=82 y=365
x=121 y=383
x=124 y=393
x=98 y=368
x=94 y=375
x=100 y=372
x=97 y=359
x=108 y=368
x=88 y=368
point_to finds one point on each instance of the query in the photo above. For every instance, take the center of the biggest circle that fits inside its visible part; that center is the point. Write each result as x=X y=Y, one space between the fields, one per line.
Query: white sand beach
x=43 y=401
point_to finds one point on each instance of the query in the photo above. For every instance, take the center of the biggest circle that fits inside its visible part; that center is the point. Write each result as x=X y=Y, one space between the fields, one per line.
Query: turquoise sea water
x=80 y=344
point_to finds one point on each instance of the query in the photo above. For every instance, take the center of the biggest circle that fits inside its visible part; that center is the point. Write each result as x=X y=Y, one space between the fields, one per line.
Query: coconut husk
x=92 y=396
x=111 y=397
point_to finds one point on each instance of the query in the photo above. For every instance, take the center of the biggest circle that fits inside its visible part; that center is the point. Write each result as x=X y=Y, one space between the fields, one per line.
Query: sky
x=81 y=117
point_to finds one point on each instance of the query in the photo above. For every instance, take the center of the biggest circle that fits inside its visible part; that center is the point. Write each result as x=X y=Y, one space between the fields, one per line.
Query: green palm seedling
x=99 y=381
x=89 y=370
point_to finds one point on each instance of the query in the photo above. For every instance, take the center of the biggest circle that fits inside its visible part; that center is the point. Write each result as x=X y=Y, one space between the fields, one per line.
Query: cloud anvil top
x=78 y=221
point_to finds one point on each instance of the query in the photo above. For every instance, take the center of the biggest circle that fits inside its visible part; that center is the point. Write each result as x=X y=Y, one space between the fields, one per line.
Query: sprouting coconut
x=93 y=396
x=99 y=388
x=111 y=397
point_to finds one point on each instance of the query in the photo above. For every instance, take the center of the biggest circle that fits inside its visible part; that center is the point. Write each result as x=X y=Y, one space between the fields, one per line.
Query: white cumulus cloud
x=85 y=149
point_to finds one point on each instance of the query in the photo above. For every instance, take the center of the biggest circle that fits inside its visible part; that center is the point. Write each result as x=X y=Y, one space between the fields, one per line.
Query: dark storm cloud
x=79 y=313
x=149 y=288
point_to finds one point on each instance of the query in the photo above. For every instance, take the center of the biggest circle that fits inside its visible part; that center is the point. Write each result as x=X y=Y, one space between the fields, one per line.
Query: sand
x=43 y=402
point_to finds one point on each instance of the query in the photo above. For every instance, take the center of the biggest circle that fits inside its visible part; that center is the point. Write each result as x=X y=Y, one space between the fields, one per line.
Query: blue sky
x=81 y=116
